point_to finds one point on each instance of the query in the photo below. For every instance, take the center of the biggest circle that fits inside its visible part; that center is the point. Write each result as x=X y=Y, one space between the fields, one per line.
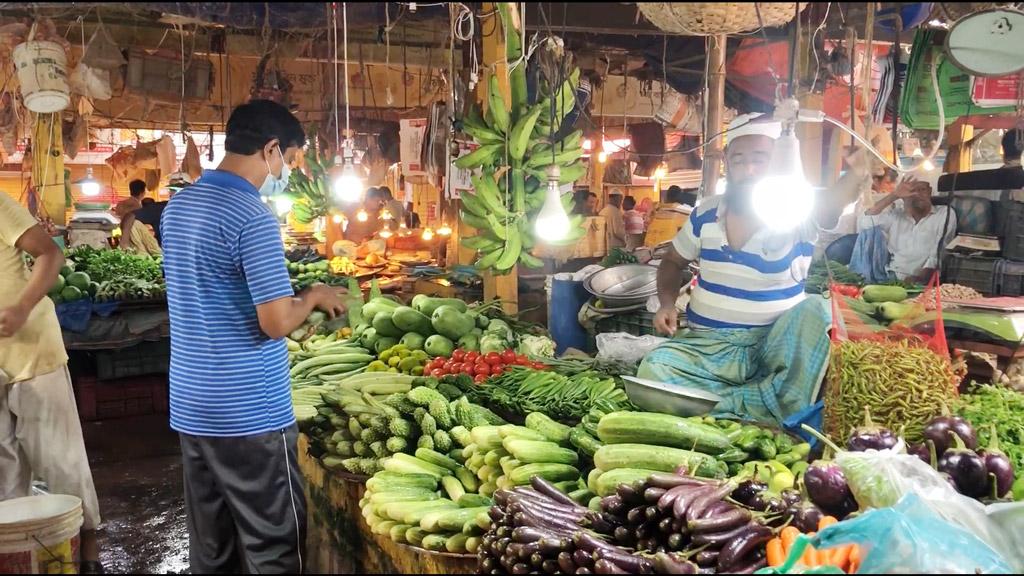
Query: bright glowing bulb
x=283 y=205
x=784 y=199
x=336 y=219
x=661 y=172
x=347 y=186
x=588 y=144
x=928 y=166
x=602 y=156
x=385 y=214
x=444 y=230
x=362 y=216
x=720 y=187
x=89 y=185
x=428 y=234
x=385 y=233
x=552 y=222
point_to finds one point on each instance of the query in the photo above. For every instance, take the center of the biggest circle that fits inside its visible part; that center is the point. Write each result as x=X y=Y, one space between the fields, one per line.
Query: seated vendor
x=913 y=230
x=753 y=338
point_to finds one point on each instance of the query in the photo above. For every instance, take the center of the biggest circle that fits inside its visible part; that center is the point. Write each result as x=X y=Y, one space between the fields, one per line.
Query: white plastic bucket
x=43 y=75
x=39 y=534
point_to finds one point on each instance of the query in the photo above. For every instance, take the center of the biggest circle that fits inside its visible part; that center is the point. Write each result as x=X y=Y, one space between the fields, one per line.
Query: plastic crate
x=1013 y=231
x=120 y=398
x=1009 y=278
x=978 y=273
x=637 y=323
x=140 y=360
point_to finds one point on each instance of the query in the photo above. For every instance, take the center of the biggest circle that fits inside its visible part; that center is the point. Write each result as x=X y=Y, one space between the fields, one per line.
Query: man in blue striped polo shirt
x=231 y=304
x=753 y=337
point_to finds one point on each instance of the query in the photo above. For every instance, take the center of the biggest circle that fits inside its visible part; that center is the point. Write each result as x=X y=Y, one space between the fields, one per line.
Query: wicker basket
x=711 y=18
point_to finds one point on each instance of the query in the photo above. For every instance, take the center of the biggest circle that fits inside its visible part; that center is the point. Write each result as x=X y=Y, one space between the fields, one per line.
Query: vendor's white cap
x=754 y=124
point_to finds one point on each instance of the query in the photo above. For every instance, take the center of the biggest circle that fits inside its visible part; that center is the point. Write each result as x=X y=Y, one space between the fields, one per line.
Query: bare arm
x=882 y=204
x=671 y=273
x=279 y=318
x=48 y=261
x=832 y=201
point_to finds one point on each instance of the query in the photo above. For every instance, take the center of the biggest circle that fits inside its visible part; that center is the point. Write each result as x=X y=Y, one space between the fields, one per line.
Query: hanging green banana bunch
x=511 y=162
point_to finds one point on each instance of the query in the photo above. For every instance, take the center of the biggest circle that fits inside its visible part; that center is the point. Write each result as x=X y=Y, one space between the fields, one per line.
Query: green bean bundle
x=904 y=385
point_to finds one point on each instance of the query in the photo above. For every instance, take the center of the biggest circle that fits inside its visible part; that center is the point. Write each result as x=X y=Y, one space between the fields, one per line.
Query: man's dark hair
x=1013 y=143
x=148 y=201
x=629 y=202
x=137 y=188
x=385 y=193
x=688 y=196
x=257 y=122
x=674 y=194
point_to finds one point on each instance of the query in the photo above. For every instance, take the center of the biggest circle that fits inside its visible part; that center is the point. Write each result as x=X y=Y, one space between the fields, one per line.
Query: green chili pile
x=904 y=386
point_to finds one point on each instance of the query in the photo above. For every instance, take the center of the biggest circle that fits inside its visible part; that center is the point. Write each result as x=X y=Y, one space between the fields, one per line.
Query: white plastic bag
x=626 y=347
x=880 y=478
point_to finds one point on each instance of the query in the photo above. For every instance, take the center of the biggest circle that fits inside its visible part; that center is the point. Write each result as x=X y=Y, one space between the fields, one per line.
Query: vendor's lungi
x=766 y=374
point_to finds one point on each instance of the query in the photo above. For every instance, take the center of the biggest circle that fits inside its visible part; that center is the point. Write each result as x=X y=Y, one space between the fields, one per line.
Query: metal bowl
x=669 y=399
x=623 y=285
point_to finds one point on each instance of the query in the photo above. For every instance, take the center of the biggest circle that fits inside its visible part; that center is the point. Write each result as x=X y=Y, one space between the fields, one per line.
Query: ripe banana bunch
x=309 y=194
x=514 y=153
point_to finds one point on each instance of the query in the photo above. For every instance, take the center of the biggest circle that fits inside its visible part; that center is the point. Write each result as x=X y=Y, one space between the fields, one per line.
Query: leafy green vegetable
x=990 y=404
x=817 y=276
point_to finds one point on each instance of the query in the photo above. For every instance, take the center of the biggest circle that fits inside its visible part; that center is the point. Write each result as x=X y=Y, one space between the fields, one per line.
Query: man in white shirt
x=913 y=230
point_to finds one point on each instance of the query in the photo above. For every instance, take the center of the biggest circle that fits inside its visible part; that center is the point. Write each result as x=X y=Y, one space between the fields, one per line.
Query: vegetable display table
x=339 y=541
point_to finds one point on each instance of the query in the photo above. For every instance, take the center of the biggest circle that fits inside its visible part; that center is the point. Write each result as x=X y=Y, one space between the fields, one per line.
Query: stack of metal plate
x=623 y=286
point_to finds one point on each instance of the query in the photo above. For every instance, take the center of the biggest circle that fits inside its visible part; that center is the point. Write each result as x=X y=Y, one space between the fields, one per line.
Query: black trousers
x=245 y=503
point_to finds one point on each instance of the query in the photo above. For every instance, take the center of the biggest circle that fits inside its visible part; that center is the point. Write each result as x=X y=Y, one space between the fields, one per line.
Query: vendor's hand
x=328 y=299
x=906 y=188
x=666 y=321
x=12 y=319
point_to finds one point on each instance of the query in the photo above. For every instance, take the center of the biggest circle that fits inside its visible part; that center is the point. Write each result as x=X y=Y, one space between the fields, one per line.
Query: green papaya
x=408 y=319
x=369 y=338
x=438 y=345
x=383 y=343
x=371 y=308
x=482 y=321
x=451 y=323
x=413 y=341
x=426 y=305
x=385 y=326
x=875 y=293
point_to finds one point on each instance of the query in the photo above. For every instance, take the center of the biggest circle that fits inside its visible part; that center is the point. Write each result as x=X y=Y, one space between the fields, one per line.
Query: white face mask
x=274 y=186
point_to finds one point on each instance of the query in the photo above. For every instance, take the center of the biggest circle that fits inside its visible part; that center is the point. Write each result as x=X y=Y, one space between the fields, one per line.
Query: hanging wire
x=814 y=47
x=334 y=53
x=344 y=30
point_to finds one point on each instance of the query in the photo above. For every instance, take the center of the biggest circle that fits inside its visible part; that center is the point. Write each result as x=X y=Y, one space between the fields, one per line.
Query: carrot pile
x=846 y=558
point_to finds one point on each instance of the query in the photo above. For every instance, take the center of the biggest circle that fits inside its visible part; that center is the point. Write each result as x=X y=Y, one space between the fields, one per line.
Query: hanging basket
x=711 y=18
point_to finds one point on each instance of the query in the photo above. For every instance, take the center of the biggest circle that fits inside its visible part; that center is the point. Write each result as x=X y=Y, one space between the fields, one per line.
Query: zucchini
x=388 y=481
x=449 y=520
x=488 y=489
x=553 y=431
x=486 y=438
x=405 y=463
x=437 y=459
x=415 y=535
x=434 y=542
x=607 y=482
x=486 y=473
x=397 y=533
x=473 y=501
x=510 y=430
x=415 y=516
x=411 y=496
x=592 y=479
x=472 y=529
x=468 y=479
x=532 y=452
x=508 y=464
x=548 y=471
x=660 y=458
x=483 y=521
x=661 y=430
x=453 y=487
x=584 y=442
x=473 y=544
x=493 y=457
x=384 y=527
x=875 y=293
x=456 y=544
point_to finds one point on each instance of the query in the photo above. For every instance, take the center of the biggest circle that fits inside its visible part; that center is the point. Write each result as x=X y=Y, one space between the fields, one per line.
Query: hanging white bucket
x=43 y=74
x=39 y=534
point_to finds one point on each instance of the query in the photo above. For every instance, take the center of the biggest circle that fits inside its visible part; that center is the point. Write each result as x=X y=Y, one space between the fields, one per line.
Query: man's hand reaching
x=328 y=299
x=666 y=321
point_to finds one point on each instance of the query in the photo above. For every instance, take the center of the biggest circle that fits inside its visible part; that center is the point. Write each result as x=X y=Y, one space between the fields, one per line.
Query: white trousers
x=40 y=435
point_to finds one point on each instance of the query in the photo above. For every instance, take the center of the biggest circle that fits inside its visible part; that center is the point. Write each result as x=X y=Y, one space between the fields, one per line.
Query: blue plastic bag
x=74 y=316
x=813 y=416
x=910 y=538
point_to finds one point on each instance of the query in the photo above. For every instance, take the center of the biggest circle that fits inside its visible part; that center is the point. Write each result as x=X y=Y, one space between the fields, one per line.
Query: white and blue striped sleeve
x=687 y=241
x=261 y=256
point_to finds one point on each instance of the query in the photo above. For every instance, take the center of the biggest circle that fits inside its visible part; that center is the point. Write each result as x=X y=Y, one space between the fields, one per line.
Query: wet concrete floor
x=136 y=466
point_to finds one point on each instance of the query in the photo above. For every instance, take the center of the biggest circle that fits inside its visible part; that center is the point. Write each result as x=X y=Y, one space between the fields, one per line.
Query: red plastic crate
x=121 y=397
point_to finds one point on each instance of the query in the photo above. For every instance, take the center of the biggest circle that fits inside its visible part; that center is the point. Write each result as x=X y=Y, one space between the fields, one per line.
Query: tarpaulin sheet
x=121 y=330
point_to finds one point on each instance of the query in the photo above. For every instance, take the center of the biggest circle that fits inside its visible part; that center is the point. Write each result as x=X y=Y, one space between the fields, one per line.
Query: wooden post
x=48 y=176
x=596 y=172
x=505 y=287
x=714 y=106
x=958 y=157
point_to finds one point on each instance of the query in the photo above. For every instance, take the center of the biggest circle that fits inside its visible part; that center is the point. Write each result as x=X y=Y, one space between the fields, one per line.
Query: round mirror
x=988 y=43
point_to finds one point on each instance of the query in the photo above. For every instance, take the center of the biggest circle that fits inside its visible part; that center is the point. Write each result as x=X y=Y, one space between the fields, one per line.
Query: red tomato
x=524 y=362
x=437 y=372
x=471 y=356
x=493 y=358
x=448 y=366
x=497 y=369
x=458 y=355
x=521 y=357
x=467 y=368
x=456 y=368
x=482 y=368
x=508 y=356
x=539 y=366
x=480 y=379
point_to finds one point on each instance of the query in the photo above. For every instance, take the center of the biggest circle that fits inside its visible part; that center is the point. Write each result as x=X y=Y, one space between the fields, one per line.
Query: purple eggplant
x=869 y=436
x=921 y=451
x=966 y=467
x=742 y=545
x=768 y=501
x=790 y=497
x=805 y=516
x=747 y=490
x=826 y=484
x=724 y=521
x=942 y=429
x=673 y=564
x=998 y=466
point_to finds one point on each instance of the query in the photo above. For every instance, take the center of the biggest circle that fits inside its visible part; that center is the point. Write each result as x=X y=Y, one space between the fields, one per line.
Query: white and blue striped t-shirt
x=745 y=288
x=223 y=256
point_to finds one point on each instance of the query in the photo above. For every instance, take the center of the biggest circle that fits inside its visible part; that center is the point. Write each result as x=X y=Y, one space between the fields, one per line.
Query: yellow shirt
x=38 y=348
x=141 y=240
